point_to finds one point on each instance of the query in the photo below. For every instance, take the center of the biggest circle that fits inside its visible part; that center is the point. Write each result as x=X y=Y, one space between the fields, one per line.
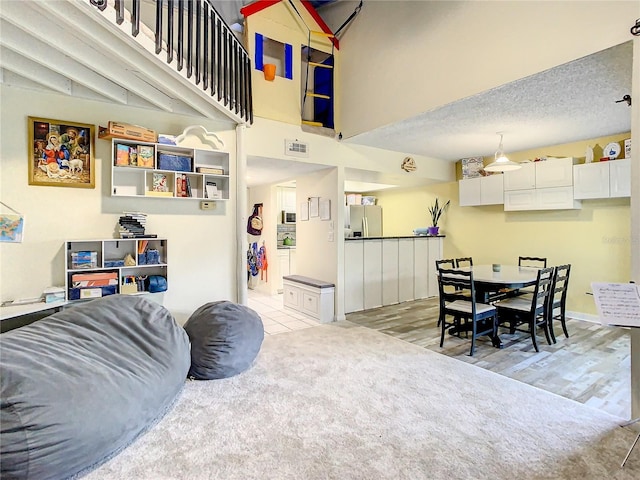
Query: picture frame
x=325 y=209
x=304 y=211
x=314 y=206
x=61 y=153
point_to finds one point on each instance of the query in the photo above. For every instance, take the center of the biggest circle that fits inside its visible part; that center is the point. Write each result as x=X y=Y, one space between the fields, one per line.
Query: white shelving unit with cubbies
x=97 y=268
x=157 y=170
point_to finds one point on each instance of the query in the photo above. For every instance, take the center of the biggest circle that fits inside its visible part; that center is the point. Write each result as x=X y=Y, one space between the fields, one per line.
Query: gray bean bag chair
x=225 y=339
x=82 y=384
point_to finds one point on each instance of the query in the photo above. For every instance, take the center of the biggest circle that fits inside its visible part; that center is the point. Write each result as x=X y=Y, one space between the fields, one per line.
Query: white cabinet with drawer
x=310 y=297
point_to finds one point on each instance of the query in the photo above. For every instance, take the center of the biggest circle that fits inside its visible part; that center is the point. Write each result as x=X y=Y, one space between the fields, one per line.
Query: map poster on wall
x=11 y=227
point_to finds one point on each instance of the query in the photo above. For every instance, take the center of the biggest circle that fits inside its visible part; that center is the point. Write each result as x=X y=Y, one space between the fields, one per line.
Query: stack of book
x=132 y=225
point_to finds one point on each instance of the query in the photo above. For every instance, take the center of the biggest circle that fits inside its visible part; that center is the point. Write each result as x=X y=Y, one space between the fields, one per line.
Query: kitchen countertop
x=400 y=236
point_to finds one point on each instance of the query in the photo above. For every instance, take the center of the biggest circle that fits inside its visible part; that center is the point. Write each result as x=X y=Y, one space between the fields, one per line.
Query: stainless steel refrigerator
x=365 y=220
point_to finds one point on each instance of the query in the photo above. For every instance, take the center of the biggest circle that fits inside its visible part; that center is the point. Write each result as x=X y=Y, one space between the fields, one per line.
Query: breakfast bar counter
x=388 y=270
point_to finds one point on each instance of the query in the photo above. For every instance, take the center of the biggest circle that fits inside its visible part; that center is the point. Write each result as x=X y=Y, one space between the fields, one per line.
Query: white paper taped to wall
x=618 y=303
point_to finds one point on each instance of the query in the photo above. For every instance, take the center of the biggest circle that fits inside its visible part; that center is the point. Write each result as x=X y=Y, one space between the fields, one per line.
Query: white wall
x=402 y=58
x=265 y=194
x=201 y=247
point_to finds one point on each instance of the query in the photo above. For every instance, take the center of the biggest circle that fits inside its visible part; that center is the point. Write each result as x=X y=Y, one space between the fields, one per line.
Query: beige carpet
x=344 y=402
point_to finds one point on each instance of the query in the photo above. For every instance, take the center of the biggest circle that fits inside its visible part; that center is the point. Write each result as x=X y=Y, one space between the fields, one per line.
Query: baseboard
x=587 y=317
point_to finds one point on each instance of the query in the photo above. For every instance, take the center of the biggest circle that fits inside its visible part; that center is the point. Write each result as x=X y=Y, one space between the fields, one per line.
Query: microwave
x=288 y=217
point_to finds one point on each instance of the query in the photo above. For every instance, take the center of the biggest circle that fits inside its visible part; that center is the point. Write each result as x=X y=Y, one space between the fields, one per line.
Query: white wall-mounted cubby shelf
x=155 y=170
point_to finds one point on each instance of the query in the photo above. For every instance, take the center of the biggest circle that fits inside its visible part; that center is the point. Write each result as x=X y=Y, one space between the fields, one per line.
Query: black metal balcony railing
x=202 y=41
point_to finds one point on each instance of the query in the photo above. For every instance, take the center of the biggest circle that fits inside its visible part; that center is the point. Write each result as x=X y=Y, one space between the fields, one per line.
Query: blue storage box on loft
x=176 y=163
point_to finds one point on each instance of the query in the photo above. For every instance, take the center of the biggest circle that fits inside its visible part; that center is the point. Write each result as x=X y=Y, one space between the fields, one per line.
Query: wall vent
x=295 y=148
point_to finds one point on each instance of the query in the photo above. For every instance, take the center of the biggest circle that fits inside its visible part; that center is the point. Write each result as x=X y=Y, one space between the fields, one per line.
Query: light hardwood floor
x=592 y=366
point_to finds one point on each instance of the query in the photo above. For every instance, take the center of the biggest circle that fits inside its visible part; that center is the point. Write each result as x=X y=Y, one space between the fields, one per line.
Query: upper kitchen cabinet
x=287 y=199
x=602 y=179
x=544 y=185
x=481 y=191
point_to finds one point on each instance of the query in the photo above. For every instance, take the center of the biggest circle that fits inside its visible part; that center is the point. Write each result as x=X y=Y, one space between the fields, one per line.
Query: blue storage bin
x=176 y=163
x=76 y=293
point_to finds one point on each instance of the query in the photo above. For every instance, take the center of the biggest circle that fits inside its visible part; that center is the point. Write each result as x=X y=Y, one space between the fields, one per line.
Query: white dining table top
x=508 y=274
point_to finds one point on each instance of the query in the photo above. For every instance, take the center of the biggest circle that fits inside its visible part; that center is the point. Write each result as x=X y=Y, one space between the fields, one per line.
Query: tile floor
x=274 y=317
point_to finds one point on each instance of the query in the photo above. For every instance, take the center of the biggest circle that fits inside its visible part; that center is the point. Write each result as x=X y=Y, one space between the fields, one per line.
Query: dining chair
x=529 y=310
x=480 y=318
x=450 y=263
x=558 y=299
x=537 y=262
x=464 y=262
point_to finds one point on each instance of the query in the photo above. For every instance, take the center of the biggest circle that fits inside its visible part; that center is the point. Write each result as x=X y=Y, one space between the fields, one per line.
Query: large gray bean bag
x=82 y=384
x=225 y=339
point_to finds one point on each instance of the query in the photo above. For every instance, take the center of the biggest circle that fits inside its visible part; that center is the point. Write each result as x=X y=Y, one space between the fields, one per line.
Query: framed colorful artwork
x=61 y=153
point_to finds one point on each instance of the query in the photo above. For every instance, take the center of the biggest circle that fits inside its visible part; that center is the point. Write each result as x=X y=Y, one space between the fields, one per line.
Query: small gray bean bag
x=82 y=384
x=225 y=339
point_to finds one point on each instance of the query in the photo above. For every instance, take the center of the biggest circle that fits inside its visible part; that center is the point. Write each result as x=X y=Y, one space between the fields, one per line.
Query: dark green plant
x=436 y=211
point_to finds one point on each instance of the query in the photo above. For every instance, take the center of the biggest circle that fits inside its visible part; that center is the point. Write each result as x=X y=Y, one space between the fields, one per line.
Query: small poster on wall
x=325 y=209
x=304 y=211
x=314 y=206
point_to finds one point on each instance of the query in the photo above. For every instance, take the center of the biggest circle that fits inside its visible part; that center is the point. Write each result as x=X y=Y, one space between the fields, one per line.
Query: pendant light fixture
x=501 y=162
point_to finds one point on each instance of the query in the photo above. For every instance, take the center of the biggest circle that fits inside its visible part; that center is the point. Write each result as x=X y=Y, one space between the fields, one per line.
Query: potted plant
x=436 y=210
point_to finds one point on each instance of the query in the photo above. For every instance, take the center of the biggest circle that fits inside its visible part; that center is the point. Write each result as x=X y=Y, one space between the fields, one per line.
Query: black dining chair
x=464 y=262
x=532 y=311
x=558 y=299
x=480 y=318
x=450 y=263
x=537 y=262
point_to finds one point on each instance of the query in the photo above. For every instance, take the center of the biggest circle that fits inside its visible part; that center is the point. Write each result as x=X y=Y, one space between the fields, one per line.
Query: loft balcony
x=170 y=55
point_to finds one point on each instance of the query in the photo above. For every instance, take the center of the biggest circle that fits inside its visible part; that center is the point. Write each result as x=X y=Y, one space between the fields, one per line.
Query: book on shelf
x=133 y=156
x=145 y=156
x=188 y=186
x=122 y=155
x=138 y=235
x=179 y=186
x=160 y=182
x=210 y=170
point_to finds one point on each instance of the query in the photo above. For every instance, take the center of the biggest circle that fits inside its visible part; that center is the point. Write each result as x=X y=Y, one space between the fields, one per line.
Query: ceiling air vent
x=295 y=148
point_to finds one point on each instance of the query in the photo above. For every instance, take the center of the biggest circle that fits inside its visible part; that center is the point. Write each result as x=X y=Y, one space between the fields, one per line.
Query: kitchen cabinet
x=286 y=199
x=544 y=185
x=620 y=178
x=390 y=271
x=558 y=198
x=286 y=265
x=372 y=256
x=481 y=191
x=353 y=276
x=555 y=172
x=591 y=180
x=387 y=271
x=523 y=178
x=610 y=179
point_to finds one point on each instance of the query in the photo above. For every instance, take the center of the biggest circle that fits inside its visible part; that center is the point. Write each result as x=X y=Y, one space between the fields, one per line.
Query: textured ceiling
x=571 y=102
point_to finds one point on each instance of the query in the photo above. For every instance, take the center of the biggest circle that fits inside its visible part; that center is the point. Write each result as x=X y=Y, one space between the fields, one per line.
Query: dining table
x=488 y=279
